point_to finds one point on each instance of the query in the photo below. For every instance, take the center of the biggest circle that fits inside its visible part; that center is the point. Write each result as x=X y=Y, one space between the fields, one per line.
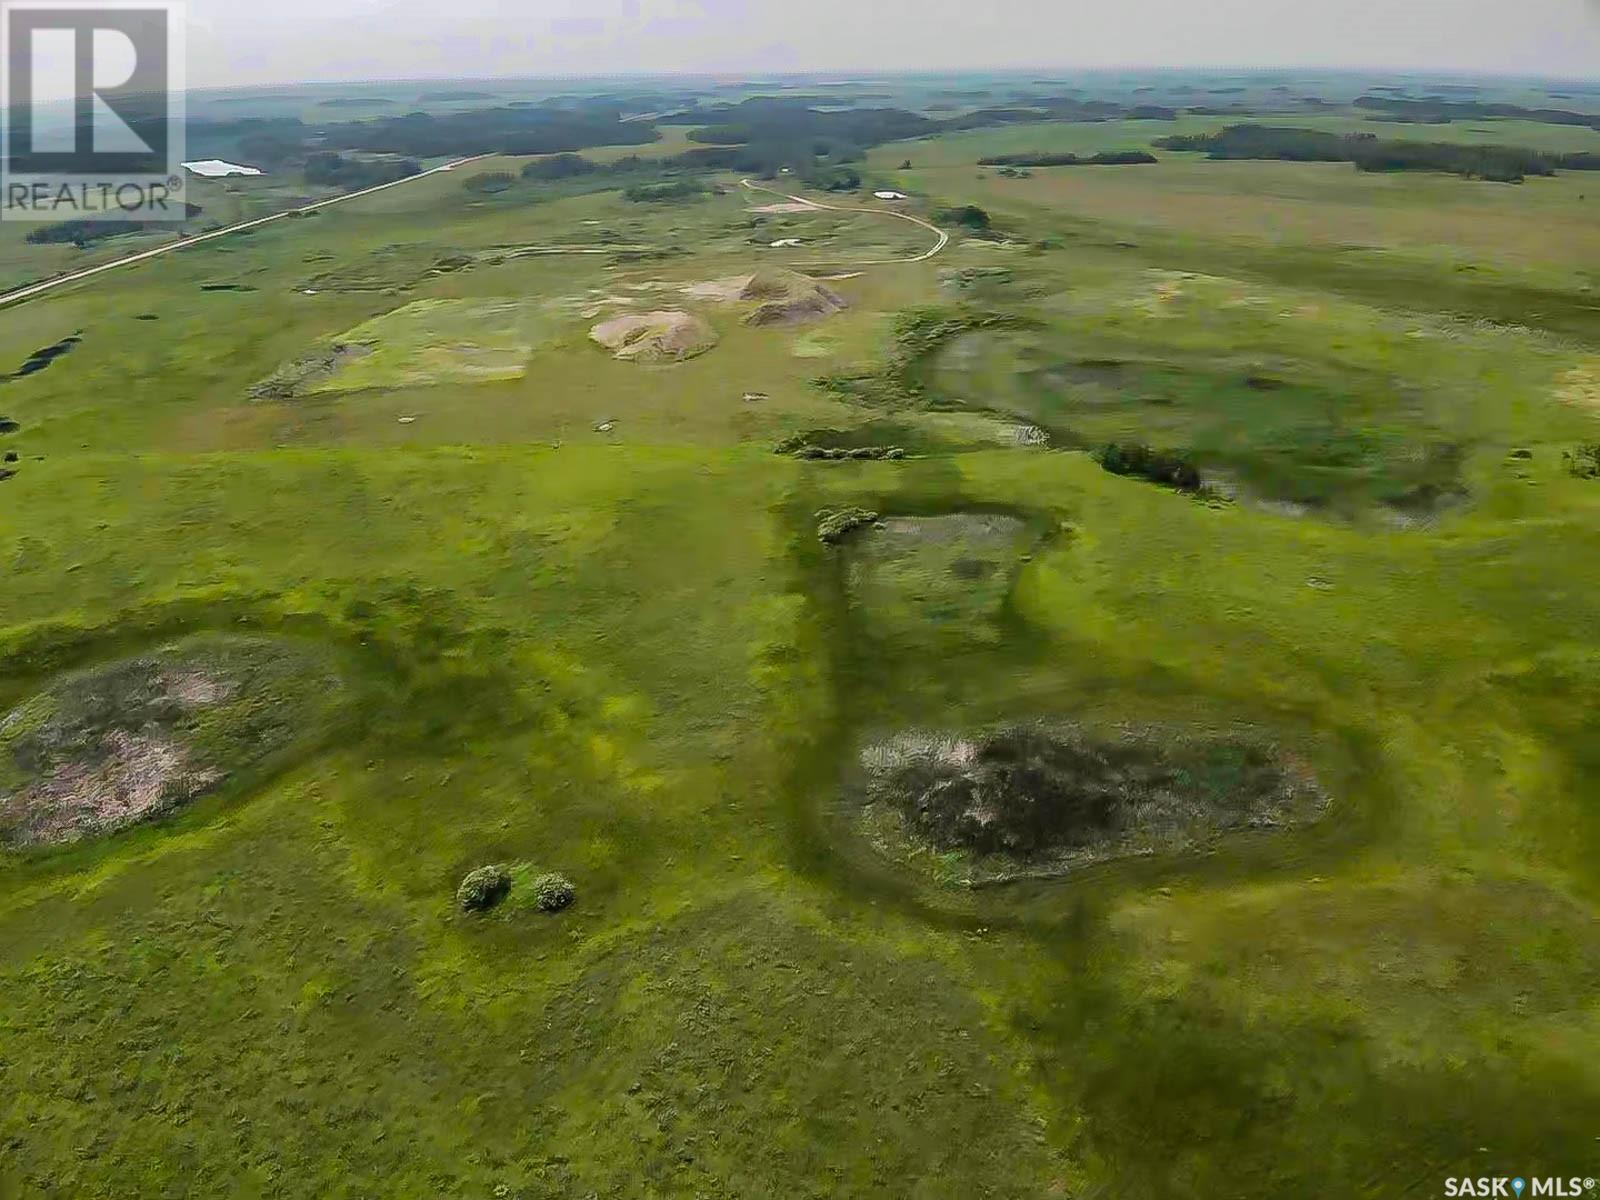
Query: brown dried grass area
x=136 y=776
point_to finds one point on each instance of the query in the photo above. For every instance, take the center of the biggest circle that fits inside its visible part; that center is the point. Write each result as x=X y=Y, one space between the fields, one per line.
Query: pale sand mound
x=655 y=337
x=789 y=298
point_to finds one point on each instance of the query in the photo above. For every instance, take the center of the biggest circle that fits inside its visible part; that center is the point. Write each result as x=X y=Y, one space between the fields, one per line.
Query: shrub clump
x=553 y=893
x=665 y=193
x=1582 y=463
x=968 y=216
x=483 y=889
x=836 y=524
x=800 y=448
x=1158 y=466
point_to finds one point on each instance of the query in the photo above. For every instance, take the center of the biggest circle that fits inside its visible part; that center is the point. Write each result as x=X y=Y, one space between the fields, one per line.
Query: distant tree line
x=83 y=233
x=1442 y=112
x=1106 y=158
x=327 y=169
x=1503 y=164
x=666 y=192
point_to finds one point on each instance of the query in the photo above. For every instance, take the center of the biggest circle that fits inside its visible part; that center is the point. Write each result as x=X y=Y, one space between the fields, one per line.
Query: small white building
x=890 y=196
x=215 y=168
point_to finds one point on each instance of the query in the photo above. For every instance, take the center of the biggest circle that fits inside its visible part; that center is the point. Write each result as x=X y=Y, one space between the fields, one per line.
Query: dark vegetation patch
x=334 y=170
x=1044 y=799
x=969 y=217
x=809 y=451
x=7 y=425
x=507 y=130
x=85 y=233
x=1335 y=442
x=1443 y=112
x=483 y=889
x=41 y=359
x=553 y=893
x=919 y=334
x=560 y=166
x=515 y=888
x=836 y=524
x=672 y=191
x=1106 y=158
x=226 y=287
x=489 y=183
x=115 y=745
x=1140 y=461
x=454 y=97
x=293 y=379
x=1500 y=164
x=1582 y=462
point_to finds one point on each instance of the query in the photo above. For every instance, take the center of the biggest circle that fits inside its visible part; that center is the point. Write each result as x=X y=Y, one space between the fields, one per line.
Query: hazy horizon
x=356 y=41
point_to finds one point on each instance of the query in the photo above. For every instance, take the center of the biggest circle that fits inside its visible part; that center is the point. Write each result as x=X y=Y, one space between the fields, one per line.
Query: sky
x=239 y=43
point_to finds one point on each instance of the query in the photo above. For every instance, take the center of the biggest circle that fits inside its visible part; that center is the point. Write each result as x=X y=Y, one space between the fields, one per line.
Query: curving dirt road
x=49 y=285
x=33 y=290
x=944 y=238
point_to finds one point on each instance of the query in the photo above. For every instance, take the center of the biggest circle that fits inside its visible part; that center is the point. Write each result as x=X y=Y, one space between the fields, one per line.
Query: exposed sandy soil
x=1581 y=385
x=788 y=206
x=138 y=776
x=670 y=336
x=99 y=750
x=726 y=291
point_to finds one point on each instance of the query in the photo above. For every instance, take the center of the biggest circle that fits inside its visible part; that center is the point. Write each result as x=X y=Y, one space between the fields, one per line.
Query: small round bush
x=552 y=893
x=482 y=889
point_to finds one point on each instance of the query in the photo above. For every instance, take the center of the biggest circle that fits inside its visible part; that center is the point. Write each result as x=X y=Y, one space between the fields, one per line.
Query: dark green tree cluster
x=1501 y=164
x=665 y=193
x=968 y=216
x=85 y=233
x=328 y=169
x=1584 y=461
x=489 y=183
x=560 y=166
x=1140 y=461
x=1435 y=111
x=1106 y=158
x=507 y=130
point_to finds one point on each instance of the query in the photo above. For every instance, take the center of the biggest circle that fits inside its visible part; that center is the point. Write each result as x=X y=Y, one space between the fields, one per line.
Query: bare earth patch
x=137 y=777
x=721 y=291
x=655 y=337
x=789 y=298
x=107 y=748
x=1045 y=800
x=1581 y=385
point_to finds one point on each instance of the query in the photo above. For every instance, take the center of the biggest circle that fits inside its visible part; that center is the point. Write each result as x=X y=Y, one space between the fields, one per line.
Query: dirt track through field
x=944 y=238
x=50 y=285
x=31 y=291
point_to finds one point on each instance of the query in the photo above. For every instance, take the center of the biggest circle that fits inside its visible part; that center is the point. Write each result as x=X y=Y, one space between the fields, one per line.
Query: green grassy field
x=593 y=631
